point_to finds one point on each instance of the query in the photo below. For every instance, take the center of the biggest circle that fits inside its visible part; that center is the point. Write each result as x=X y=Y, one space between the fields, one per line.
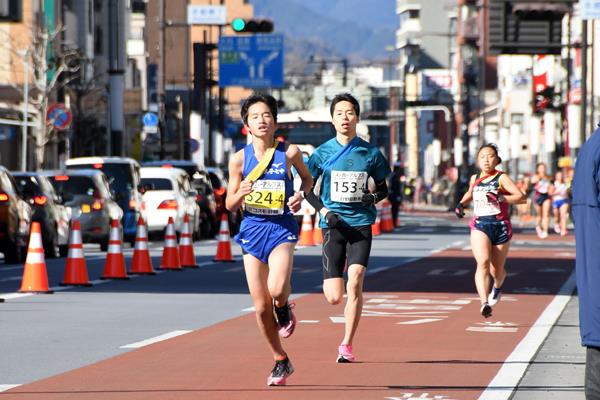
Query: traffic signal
x=241 y=25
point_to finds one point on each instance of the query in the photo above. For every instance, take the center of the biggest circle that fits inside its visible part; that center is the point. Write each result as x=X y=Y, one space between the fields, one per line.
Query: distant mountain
x=359 y=30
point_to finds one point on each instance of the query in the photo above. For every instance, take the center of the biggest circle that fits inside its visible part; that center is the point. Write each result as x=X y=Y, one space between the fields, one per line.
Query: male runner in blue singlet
x=269 y=232
x=345 y=163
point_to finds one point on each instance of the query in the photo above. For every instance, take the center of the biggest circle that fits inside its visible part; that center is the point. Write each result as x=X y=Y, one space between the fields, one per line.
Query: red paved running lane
x=421 y=335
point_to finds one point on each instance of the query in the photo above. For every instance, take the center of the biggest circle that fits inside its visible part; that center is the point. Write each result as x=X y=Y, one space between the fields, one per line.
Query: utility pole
x=161 y=77
x=116 y=72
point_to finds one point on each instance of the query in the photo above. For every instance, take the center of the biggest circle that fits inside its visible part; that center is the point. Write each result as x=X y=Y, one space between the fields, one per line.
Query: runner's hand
x=295 y=202
x=332 y=219
x=459 y=210
x=368 y=199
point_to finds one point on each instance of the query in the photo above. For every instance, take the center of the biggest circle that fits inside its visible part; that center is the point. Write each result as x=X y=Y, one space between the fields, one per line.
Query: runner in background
x=491 y=191
x=345 y=163
x=541 y=200
x=260 y=181
x=559 y=191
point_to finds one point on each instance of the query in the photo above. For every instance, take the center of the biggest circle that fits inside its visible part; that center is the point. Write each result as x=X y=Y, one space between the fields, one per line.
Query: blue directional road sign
x=253 y=61
x=150 y=119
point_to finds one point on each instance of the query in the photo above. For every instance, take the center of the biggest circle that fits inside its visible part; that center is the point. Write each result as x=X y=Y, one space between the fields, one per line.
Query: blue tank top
x=272 y=190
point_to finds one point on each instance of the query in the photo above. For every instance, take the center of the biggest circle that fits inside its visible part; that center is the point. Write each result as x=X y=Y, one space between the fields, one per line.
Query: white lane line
x=155 y=339
x=419 y=321
x=5 y=387
x=515 y=366
x=12 y=296
x=309 y=321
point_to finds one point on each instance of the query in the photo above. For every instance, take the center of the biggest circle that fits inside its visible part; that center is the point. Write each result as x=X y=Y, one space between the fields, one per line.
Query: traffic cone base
x=76 y=270
x=141 y=264
x=35 y=275
x=224 y=245
x=170 y=257
x=186 y=246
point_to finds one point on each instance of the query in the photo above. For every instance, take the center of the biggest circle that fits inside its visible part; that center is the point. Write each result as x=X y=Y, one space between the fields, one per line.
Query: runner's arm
x=513 y=195
x=236 y=188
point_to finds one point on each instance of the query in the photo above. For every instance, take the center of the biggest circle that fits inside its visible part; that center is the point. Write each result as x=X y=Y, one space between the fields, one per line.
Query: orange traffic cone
x=186 y=246
x=317 y=231
x=170 y=256
x=376 y=226
x=114 y=266
x=76 y=270
x=224 y=245
x=35 y=276
x=306 y=233
x=387 y=225
x=141 y=262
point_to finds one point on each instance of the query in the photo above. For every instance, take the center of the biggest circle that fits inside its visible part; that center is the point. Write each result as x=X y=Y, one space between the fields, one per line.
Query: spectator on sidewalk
x=395 y=187
x=586 y=217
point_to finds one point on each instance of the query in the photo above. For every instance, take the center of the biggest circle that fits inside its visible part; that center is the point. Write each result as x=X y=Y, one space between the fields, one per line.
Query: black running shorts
x=347 y=242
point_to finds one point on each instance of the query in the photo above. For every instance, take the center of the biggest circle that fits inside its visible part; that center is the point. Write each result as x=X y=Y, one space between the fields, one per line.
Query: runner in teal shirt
x=346 y=178
x=347 y=208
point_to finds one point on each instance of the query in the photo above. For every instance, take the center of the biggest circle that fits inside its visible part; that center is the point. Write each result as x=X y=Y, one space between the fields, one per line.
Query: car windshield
x=74 y=185
x=157 y=184
x=119 y=175
x=27 y=186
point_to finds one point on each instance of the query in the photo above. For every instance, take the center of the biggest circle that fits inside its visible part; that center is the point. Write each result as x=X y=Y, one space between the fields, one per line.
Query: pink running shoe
x=285 y=319
x=345 y=354
x=280 y=372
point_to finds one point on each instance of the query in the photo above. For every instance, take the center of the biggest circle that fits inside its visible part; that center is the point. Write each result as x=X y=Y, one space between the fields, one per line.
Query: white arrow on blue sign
x=150 y=120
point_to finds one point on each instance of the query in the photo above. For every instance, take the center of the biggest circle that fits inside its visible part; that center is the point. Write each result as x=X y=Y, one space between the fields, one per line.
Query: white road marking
x=337 y=320
x=249 y=309
x=419 y=321
x=309 y=321
x=5 y=387
x=155 y=339
x=514 y=367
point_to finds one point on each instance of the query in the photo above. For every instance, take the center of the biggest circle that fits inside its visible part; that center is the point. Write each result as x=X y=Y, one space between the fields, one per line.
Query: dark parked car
x=47 y=209
x=202 y=185
x=87 y=193
x=15 y=220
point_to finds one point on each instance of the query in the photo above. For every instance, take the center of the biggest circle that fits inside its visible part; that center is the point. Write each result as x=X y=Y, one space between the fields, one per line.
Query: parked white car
x=168 y=193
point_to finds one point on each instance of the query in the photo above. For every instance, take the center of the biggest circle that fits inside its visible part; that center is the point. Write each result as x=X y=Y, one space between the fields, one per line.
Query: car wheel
x=50 y=248
x=63 y=250
x=104 y=245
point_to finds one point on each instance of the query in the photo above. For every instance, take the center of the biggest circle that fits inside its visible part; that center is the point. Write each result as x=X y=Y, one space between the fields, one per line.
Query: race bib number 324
x=266 y=198
x=348 y=186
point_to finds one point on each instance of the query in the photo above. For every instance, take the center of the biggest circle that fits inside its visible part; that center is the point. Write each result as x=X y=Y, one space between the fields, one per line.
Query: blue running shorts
x=260 y=238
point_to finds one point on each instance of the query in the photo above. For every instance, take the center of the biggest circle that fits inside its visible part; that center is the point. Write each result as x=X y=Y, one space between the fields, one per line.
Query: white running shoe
x=494 y=296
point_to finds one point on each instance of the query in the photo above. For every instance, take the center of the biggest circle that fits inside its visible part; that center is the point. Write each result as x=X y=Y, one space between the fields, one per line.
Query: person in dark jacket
x=586 y=217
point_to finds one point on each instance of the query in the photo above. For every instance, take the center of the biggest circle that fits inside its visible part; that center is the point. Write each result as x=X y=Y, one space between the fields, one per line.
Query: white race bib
x=348 y=186
x=266 y=198
x=482 y=206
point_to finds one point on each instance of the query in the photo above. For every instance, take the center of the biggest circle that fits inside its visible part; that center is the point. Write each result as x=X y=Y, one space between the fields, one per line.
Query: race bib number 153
x=348 y=186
